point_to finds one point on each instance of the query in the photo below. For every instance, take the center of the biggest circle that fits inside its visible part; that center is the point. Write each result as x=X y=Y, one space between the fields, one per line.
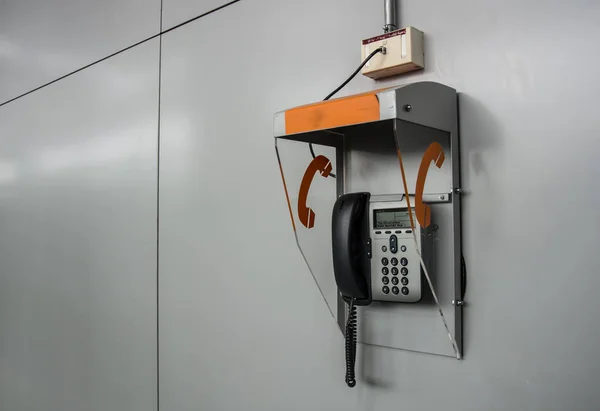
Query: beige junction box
x=403 y=53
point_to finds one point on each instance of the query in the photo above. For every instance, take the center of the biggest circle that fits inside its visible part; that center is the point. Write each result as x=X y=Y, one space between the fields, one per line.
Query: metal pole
x=390 y=16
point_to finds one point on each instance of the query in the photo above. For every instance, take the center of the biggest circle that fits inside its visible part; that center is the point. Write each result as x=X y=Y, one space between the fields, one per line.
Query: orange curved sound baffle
x=319 y=164
x=434 y=153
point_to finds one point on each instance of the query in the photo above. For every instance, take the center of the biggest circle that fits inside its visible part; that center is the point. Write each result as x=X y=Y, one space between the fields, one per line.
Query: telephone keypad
x=395 y=262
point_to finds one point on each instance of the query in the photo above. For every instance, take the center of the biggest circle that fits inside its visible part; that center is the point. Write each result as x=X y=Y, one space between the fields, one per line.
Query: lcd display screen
x=391 y=218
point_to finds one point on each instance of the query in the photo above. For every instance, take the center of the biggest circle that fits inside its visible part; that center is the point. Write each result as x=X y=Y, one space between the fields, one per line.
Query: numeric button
x=395 y=280
x=405 y=290
x=404 y=270
x=395 y=290
x=385 y=289
x=394 y=271
x=404 y=261
x=385 y=271
x=386 y=280
x=384 y=261
x=404 y=281
x=394 y=261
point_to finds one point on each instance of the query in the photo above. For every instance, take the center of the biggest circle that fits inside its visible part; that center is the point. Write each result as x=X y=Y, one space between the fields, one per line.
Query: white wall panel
x=78 y=167
x=178 y=11
x=237 y=304
x=242 y=323
x=42 y=40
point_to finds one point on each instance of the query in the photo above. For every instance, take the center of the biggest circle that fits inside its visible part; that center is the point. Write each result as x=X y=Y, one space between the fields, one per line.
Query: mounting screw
x=407 y=107
x=458 y=190
x=459 y=303
x=442 y=197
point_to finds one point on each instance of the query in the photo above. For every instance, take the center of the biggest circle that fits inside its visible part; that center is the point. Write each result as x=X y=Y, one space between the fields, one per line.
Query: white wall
x=42 y=40
x=78 y=166
x=242 y=324
x=175 y=12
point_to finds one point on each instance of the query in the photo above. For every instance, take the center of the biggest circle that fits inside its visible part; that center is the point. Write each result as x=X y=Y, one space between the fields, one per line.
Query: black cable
x=351 y=345
x=341 y=86
x=365 y=61
x=312 y=152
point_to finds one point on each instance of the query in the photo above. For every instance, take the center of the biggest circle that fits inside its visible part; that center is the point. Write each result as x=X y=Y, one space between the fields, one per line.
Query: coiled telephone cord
x=351 y=345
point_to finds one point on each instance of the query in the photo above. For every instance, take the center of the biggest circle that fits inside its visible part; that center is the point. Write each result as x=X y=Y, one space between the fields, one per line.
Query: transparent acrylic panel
x=373 y=165
x=311 y=191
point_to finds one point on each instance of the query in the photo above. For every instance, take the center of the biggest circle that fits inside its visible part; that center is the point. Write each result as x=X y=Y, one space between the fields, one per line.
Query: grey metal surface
x=42 y=40
x=529 y=127
x=428 y=103
x=373 y=158
x=78 y=241
x=387 y=104
x=390 y=15
x=433 y=105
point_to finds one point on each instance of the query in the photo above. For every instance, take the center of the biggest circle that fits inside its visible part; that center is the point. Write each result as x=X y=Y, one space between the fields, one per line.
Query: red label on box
x=384 y=36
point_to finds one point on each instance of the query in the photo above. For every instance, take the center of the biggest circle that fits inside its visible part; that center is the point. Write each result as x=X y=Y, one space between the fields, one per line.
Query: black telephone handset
x=351 y=263
x=350 y=242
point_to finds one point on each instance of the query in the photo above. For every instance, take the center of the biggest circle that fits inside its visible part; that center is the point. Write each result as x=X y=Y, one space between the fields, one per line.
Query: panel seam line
x=160 y=33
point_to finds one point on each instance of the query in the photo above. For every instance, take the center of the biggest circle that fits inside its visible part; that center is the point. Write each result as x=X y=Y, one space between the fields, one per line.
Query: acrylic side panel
x=374 y=166
x=311 y=190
